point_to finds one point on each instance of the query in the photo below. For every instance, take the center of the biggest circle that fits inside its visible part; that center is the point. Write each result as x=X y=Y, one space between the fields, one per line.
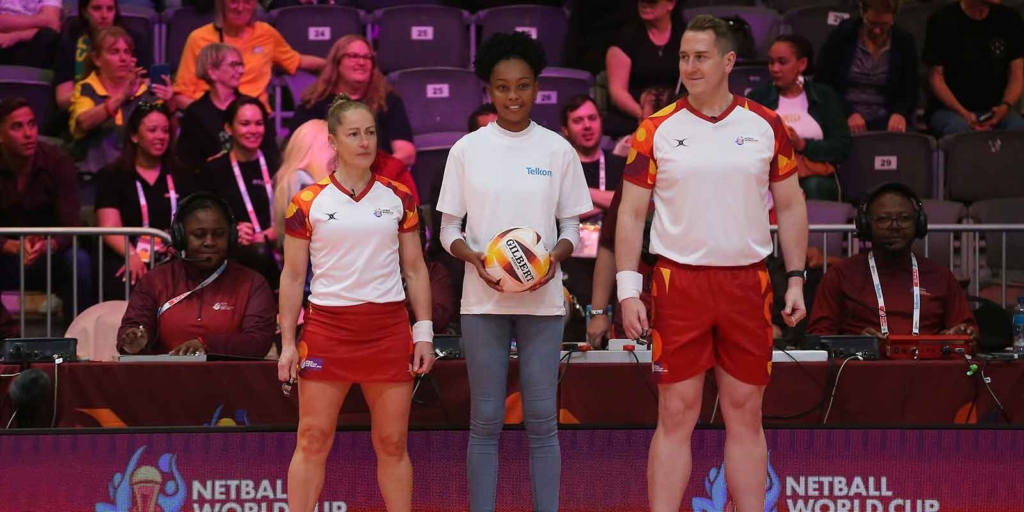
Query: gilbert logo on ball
x=517 y=259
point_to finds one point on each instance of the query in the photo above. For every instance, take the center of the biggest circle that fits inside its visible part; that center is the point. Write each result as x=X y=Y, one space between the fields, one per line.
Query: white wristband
x=629 y=284
x=423 y=331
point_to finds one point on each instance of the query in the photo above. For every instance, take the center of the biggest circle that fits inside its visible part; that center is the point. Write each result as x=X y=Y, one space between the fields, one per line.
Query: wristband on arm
x=423 y=331
x=629 y=284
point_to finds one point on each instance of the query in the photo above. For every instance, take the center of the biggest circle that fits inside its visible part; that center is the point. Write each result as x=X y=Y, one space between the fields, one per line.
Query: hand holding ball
x=516 y=258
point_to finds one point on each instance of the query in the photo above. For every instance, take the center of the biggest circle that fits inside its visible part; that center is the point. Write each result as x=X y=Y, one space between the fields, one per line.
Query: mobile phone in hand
x=158 y=71
x=986 y=116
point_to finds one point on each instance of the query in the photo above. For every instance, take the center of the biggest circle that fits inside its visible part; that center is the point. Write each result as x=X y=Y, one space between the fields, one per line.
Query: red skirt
x=364 y=343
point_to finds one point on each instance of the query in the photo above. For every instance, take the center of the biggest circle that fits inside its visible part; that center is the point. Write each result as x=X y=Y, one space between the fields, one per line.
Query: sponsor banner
x=603 y=470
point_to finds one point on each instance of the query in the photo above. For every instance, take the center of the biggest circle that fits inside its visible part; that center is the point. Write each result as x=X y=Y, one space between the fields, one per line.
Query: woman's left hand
x=189 y=348
x=547 y=277
x=798 y=143
x=422 y=358
x=897 y=123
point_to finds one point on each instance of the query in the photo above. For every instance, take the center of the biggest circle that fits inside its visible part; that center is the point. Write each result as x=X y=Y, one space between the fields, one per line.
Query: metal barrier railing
x=970 y=243
x=74 y=233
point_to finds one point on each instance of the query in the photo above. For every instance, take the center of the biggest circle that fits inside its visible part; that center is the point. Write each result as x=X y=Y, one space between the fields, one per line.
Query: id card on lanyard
x=881 y=301
x=245 y=191
x=206 y=282
x=590 y=232
x=142 y=246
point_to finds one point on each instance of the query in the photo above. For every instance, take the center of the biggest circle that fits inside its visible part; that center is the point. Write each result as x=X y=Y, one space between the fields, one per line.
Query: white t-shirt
x=794 y=113
x=502 y=179
x=27 y=7
x=710 y=180
x=353 y=242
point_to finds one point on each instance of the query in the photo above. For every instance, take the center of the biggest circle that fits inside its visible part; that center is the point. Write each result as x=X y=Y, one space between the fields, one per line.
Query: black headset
x=863 y=220
x=192 y=204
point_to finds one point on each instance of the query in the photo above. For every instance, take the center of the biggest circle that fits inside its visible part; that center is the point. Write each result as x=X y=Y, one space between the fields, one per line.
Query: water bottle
x=1018 y=326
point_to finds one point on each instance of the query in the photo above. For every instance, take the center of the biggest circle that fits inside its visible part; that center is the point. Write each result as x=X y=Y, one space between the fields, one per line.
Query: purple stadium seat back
x=816 y=22
x=421 y=36
x=549 y=25
x=764 y=22
x=179 y=23
x=556 y=86
x=983 y=165
x=938 y=244
x=828 y=212
x=744 y=79
x=881 y=157
x=438 y=99
x=313 y=29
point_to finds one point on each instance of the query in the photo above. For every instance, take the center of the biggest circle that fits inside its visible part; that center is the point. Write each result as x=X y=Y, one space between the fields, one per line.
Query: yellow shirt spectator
x=261 y=50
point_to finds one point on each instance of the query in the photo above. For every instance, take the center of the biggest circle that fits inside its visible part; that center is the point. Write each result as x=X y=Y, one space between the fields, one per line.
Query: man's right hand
x=477 y=261
x=11 y=246
x=597 y=330
x=872 y=332
x=634 y=318
x=857 y=123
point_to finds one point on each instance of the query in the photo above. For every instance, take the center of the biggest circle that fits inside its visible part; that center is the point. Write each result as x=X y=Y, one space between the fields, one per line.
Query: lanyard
x=144 y=205
x=881 y=302
x=245 y=190
x=167 y=305
x=602 y=181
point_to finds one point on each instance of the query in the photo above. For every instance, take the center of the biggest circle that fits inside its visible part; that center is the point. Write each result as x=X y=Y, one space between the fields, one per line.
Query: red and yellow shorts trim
x=711 y=316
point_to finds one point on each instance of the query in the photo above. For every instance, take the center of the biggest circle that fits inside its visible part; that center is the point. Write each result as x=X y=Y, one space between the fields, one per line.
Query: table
x=872 y=393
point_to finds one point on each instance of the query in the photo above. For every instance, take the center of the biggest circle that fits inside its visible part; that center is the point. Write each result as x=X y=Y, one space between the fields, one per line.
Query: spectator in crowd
x=652 y=100
x=351 y=68
x=39 y=188
x=484 y=115
x=812 y=113
x=93 y=16
x=581 y=124
x=29 y=32
x=593 y=27
x=852 y=292
x=140 y=189
x=262 y=48
x=111 y=90
x=9 y=327
x=872 y=66
x=646 y=54
x=242 y=177
x=308 y=158
x=205 y=303
x=203 y=136
x=975 y=51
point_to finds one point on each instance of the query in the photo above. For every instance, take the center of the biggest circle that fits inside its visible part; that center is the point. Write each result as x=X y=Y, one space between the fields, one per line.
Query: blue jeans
x=486 y=343
x=946 y=122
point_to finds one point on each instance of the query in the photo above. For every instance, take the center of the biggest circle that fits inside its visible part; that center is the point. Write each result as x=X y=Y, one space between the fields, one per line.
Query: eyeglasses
x=240 y=3
x=902 y=221
x=358 y=56
x=235 y=64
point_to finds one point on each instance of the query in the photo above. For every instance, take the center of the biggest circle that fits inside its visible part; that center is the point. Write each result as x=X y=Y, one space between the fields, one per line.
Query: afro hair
x=505 y=46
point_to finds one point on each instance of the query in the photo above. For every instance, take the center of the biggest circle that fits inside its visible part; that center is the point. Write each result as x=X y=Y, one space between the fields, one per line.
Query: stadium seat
x=373 y=5
x=983 y=165
x=816 y=23
x=556 y=86
x=313 y=29
x=880 y=157
x=421 y=36
x=33 y=84
x=744 y=79
x=828 y=212
x=914 y=19
x=764 y=22
x=296 y=85
x=96 y=330
x=431 y=156
x=1006 y=210
x=940 y=212
x=178 y=24
x=549 y=25
x=438 y=99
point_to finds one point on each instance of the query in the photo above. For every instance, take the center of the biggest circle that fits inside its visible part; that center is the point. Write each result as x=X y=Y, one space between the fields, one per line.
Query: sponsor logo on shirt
x=741 y=140
x=537 y=171
x=222 y=306
x=380 y=212
x=331 y=216
x=923 y=291
x=658 y=368
x=681 y=143
x=312 y=363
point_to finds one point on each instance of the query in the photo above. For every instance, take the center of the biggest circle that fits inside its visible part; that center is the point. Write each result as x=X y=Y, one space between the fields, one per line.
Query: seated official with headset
x=875 y=293
x=200 y=302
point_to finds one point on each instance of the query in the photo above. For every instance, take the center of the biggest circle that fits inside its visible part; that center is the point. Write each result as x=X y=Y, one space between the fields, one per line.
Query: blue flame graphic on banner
x=142 y=489
x=718 y=494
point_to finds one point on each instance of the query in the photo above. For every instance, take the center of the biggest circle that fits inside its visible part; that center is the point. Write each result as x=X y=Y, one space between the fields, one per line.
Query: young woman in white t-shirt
x=488 y=179
x=360 y=232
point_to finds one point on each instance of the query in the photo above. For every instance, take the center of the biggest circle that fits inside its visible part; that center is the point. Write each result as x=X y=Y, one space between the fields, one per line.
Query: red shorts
x=363 y=343
x=711 y=316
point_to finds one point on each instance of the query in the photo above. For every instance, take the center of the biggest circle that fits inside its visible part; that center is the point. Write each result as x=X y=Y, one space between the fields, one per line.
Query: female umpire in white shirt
x=510 y=173
x=360 y=231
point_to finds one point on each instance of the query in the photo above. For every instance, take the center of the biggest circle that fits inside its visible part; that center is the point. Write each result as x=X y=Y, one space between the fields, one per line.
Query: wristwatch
x=591 y=313
x=802 y=274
